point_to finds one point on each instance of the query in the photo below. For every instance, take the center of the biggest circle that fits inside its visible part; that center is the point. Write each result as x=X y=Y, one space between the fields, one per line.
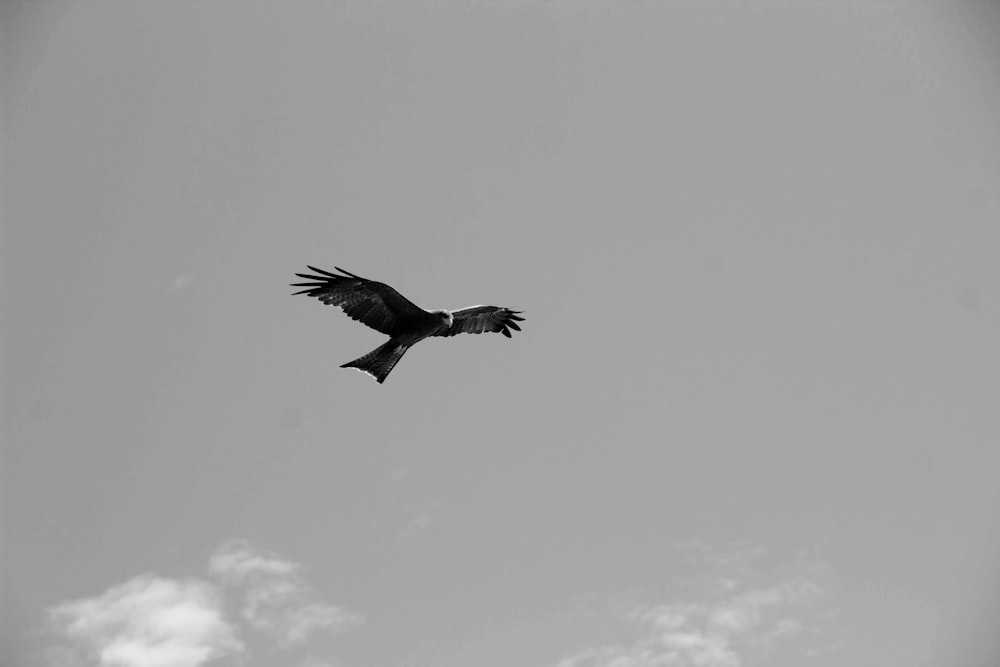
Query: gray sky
x=752 y=416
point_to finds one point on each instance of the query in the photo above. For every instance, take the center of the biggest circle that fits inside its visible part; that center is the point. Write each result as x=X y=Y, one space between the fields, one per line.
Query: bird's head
x=446 y=317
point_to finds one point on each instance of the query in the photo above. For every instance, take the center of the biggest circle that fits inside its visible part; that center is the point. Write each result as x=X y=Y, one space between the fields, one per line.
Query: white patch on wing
x=365 y=371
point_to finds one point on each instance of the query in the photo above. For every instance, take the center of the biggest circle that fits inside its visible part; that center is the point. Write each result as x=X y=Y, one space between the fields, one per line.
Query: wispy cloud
x=276 y=599
x=731 y=614
x=236 y=562
x=181 y=281
x=152 y=621
x=416 y=526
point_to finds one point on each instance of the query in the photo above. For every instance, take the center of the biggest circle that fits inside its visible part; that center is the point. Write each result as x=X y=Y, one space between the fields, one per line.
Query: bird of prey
x=384 y=309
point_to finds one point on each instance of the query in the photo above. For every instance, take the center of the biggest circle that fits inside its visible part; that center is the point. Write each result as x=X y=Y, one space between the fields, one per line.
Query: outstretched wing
x=479 y=319
x=374 y=304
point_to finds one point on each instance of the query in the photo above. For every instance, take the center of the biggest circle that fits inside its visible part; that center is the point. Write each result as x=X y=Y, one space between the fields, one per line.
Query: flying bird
x=384 y=309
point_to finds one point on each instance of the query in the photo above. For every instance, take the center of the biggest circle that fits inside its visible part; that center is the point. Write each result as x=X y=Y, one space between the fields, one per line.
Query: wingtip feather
x=325 y=273
x=347 y=273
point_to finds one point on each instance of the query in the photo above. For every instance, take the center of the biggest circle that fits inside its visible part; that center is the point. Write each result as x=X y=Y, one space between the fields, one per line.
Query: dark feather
x=483 y=319
x=374 y=304
x=384 y=309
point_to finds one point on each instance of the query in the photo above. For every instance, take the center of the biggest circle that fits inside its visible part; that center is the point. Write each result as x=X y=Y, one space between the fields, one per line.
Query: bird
x=385 y=310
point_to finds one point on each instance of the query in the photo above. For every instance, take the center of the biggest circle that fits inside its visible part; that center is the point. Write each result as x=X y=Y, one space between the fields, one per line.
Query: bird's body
x=382 y=308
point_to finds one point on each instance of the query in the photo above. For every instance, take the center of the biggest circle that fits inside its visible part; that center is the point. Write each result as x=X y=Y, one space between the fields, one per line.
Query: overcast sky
x=752 y=418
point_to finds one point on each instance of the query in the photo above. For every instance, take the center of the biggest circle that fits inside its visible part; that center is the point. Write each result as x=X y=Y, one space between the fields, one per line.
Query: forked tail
x=380 y=361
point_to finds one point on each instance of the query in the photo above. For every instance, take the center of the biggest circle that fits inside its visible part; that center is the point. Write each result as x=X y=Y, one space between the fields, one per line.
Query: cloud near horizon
x=733 y=615
x=154 y=621
x=149 y=621
x=276 y=599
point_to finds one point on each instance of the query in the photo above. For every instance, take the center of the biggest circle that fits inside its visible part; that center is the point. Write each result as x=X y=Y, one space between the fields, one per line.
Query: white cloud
x=740 y=613
x=276 y=599
x=149 y=622
x=236 y=561
x=285 y=612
